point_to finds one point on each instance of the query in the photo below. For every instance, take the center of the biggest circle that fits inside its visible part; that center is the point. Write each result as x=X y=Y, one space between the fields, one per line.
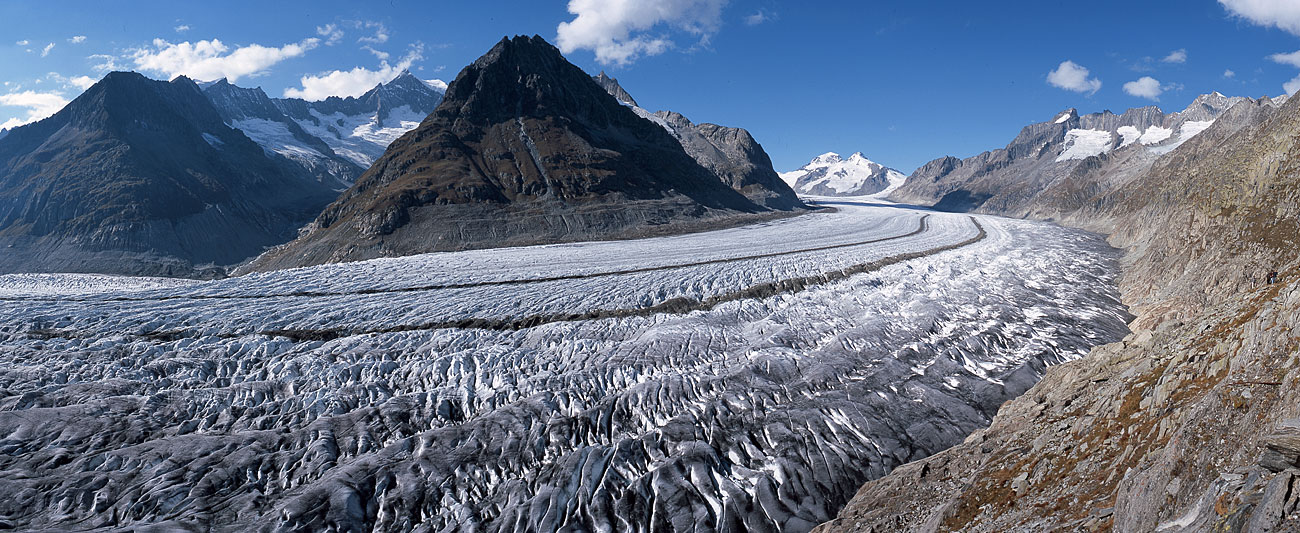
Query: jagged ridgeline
x=145 y=177
x=526 y=148
x=138 y=176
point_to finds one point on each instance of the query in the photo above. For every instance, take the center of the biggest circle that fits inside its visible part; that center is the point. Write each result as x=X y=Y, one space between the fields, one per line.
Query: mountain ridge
x=524 y=148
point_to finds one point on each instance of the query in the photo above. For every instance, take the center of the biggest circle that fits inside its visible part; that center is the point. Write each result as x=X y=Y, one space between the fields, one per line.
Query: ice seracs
x=830 y=175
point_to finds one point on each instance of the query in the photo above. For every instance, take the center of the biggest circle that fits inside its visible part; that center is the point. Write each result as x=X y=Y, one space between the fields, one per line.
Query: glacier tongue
x=322 y=398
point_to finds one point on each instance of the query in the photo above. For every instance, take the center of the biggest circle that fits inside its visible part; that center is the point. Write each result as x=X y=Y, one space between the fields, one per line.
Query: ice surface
x=1156 y=135
x=386 y=396
x=1188 y=130
x=1128 y=135
x=360 y=137
x=1082 y=144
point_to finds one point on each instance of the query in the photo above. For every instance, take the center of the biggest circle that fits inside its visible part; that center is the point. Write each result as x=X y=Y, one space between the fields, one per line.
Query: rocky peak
x=614 y=89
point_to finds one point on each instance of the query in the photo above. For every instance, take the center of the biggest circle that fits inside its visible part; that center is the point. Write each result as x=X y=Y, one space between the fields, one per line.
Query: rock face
x=361 y=128
x=138 y=176
x=830 y=175
x=1189 y=423
x=1054 y=168
x=612 y=87
x=731 y=154
x=525 y=149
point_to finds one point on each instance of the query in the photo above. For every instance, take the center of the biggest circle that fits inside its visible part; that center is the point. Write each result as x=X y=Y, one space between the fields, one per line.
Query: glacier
x=743 y=379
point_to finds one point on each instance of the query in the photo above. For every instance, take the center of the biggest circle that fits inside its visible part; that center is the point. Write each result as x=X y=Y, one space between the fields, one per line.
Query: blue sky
x=904 y=82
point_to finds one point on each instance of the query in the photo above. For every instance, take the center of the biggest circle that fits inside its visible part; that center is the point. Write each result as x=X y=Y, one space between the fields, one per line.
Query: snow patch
x=1155 y=135
x=1082 y=144
x=1128 y=135
x=213 y=140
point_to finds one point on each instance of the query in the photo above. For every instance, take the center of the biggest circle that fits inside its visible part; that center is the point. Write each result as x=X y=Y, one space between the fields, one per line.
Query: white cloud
x=23 y=42
x=331 y=33
x=209 y=60
x=1283 y=14
x=79 y=82
x=182 y=28
x=383 y=56
x=617 y=30
x=39 y=106
x=46 y=50
x=757 y=18
x=1292 y=86
x=1144 y=87
x=355 y=82
x=1229 y=74
x=77 y=39
x=380 y=36
x=1292 y=59
x=105 y=62
x=1073 y=77
x=1177 y=56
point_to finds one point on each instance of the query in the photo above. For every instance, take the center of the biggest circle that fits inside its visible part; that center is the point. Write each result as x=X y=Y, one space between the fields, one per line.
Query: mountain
x=830 y=175
x=732 y=154
x=612 y=87
x=138 y=176
x=525 y=148
x=1071 y=160
x=1190 y=423
x=255 y=114
x=361 y=128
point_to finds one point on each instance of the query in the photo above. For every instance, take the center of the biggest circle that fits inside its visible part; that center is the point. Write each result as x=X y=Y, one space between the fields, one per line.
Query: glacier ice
x=336 y=396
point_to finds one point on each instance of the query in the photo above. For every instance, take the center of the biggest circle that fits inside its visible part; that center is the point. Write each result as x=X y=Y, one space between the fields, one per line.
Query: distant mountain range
x=830 y=175
x=527 y=148
x=1053 y=168
x=138 y=176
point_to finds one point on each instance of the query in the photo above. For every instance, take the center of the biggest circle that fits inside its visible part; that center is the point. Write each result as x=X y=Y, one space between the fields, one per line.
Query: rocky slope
x=1055 y=167
x=1190 y=423
x=831 y=175
x=138 y=176
x=525 y=148
x=731 y=154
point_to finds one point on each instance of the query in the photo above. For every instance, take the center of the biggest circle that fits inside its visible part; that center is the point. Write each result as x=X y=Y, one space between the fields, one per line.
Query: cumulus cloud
x=1282 y=14
x=1292 y=59
x=1073 y=77
x=38 y=106
x=77 y=39
x=46 y=50
x=210 y=60
x=23 y=42
x=355 y=82
x=331 y=33
x=182 y=28
x=383 y=56
x=1144 y=87
x=1177 y=56
x=1229 y=74
x=618 y=30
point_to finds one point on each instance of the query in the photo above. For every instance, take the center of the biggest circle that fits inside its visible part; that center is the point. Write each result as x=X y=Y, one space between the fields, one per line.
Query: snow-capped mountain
x=332 y=131
x=1055 y=167
x=255 y=114
x=831 y=175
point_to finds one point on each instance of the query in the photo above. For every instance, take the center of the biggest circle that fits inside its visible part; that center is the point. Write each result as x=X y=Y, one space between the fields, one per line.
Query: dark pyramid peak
x=525 y=148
